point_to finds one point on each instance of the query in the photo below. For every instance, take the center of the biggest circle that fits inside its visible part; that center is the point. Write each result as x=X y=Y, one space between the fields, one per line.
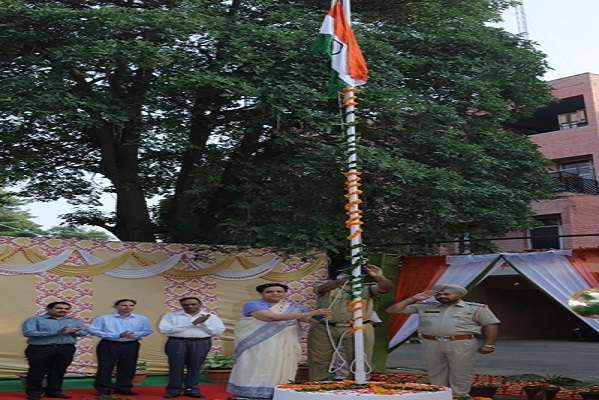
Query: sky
x=565 y=30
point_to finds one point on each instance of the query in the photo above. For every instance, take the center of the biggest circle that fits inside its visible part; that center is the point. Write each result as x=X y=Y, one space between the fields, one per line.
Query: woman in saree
x=267 y=342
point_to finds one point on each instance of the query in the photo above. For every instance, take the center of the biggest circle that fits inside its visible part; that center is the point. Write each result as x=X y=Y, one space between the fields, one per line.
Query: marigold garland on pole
x=348 y=70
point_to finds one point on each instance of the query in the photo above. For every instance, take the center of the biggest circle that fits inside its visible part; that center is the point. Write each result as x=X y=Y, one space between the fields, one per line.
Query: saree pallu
x=266 y=354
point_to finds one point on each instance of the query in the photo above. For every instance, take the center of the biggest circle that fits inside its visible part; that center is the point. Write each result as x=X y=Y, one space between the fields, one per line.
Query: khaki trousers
x=450 y=363
x=320 y=349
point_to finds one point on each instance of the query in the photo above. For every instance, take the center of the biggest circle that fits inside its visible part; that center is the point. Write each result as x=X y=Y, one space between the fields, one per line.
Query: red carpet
x=212 y=392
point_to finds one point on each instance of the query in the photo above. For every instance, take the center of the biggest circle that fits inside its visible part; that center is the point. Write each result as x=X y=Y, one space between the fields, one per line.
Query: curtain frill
x=166 y=268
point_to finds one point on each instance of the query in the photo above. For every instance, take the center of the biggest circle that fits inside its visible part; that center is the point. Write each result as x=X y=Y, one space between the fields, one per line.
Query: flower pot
x=483 y=391
x=540 y=392
x=302 y=374
x=589 y=395
x=218 y=375
x=139 y=378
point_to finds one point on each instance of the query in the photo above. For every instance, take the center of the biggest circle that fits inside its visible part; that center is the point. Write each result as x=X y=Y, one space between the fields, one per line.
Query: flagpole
x=348 y=70
x=354 y=212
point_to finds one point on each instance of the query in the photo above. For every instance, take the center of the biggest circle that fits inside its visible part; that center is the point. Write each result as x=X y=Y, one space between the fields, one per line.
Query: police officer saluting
x=448 y=327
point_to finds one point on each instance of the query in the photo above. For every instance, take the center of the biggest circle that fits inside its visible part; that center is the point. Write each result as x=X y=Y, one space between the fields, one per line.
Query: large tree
x=218 y=107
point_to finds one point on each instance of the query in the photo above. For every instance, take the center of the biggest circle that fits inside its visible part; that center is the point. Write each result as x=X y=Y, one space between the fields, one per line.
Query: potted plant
x=218 y=367
x=141 y=371
x=302 y=373
x=590 y=392
x=484 y=390
x=547 y=386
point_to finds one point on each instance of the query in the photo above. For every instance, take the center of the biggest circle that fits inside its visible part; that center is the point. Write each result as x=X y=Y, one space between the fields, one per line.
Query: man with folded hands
x=190 y=332
x=448 y=328
x=120 y=332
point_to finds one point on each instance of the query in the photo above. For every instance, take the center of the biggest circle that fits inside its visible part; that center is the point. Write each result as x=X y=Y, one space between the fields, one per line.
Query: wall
x=524 y=311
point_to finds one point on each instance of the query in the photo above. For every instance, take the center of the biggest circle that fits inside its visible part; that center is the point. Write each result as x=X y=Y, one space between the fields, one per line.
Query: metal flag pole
x=348 y=70
x=354 y=223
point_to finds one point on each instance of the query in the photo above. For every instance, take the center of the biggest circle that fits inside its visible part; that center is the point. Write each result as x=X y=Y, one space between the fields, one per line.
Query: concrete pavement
x=570 y=358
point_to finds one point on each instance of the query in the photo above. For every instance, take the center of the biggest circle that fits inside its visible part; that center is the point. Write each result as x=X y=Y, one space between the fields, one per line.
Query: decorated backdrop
x=92 y=275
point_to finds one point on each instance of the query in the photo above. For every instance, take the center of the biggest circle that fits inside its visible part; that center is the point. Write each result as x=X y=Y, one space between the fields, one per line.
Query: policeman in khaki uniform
x=448 y=328
x=326 y=335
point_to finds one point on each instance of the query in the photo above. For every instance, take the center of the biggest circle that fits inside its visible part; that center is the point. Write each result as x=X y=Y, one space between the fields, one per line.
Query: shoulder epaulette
x=470 y=303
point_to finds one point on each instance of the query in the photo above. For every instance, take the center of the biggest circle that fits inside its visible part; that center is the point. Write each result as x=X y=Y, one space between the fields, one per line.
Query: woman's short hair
x=260 y=288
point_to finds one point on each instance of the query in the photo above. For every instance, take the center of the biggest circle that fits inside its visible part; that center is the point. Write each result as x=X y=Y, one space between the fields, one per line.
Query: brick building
x=567 y=133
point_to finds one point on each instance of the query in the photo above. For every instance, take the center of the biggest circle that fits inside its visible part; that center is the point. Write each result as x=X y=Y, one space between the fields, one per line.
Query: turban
x=453 y=289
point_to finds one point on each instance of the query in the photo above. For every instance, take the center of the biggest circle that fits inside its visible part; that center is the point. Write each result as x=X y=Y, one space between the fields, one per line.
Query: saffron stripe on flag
x=336 y=39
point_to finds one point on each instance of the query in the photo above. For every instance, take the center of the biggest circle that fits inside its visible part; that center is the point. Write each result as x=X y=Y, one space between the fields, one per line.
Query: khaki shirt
x=338 y=302
x=459 y=319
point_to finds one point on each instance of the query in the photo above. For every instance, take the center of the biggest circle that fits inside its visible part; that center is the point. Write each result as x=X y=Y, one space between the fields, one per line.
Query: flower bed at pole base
x=365 y=391
x=511 y=389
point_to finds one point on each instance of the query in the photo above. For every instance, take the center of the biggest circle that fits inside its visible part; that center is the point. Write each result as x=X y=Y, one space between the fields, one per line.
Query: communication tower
x=521 y=18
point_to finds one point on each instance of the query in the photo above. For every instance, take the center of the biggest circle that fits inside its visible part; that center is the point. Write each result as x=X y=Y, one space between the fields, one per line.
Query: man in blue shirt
x=120 y=333
x=51 y=340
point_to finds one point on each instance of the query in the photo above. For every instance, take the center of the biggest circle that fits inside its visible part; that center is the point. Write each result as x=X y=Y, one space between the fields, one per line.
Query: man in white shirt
x=190 y=333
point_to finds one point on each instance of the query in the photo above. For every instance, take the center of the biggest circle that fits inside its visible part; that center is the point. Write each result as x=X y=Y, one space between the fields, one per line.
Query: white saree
x=266 y=353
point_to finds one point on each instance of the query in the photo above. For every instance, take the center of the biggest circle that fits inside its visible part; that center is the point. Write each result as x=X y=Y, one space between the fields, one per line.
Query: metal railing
x=572 y=183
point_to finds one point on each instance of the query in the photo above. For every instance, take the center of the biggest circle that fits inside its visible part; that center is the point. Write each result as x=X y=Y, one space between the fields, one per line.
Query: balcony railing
x=569 y=182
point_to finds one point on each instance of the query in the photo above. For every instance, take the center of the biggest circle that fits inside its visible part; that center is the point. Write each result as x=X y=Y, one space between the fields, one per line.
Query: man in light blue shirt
x=120 y=333
x=51 y=340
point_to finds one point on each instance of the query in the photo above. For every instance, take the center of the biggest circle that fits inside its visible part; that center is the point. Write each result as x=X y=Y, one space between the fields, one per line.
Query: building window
x=582 y=168
x=572 y=120
x=546 y=236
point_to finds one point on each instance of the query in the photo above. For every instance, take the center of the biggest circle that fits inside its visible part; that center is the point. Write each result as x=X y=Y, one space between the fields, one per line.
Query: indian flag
x=336 y=39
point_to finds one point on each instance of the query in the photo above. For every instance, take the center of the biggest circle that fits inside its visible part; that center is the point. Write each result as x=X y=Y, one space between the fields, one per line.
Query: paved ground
x=575 y=359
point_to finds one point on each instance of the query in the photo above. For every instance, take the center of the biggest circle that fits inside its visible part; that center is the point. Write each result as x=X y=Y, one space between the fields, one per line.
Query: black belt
x=445 y=338
x=338 y=324
x=53 y=345
x=120 y=342
x=193 y=339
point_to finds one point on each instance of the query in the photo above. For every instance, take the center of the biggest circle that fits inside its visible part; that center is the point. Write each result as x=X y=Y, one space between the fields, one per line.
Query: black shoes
x=188 y=394
x=127 y=392
x=57 y=396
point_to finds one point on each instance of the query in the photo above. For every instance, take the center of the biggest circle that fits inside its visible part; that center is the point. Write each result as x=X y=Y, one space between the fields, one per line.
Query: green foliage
x=219 y=108
x=486 y=386
x=75 y=232
x=141 y=366
x=13 y=220
x=219 y=361
x=547 y=380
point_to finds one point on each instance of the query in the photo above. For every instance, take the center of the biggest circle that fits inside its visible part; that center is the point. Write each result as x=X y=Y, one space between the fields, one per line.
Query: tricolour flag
x=336 y=38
